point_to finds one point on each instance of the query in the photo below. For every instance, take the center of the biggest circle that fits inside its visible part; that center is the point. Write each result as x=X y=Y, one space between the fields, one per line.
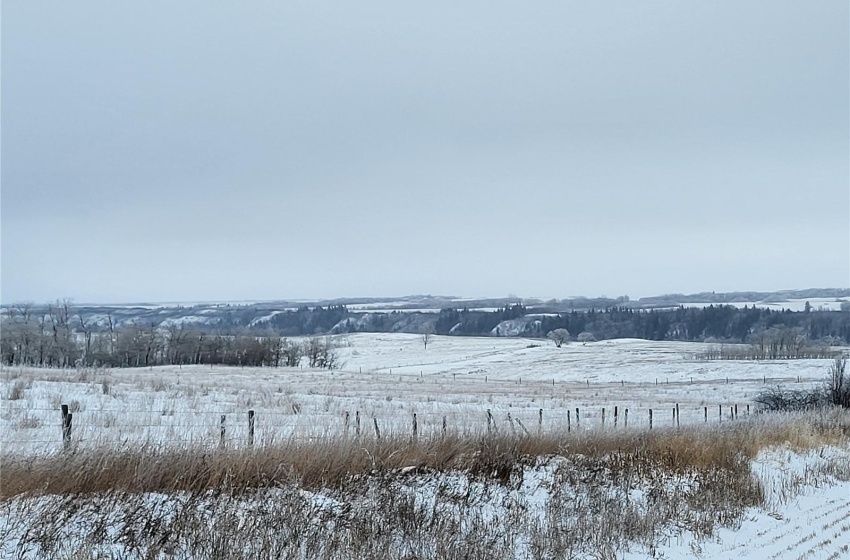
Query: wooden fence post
x=603 y=417
x=251 y=427
x=748 y=410
x=377 y=431
x=222 y=431
x=67 y=418
x=569 y=427
x=521 y=425
x=677 y=415
x=578 y=419
x=489 y=421
x=444 y=425
x=540 y=421
x=626 y=418
x=357 y=423
x=615 y=416
x=736 y=412
x=706 y=413
x=415 y=428
x=720 y=412
x=650 y=418
x=346 y=423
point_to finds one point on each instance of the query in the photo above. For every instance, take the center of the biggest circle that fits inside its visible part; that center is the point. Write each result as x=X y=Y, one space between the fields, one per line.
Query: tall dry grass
x=329 y=463
x=442 y=498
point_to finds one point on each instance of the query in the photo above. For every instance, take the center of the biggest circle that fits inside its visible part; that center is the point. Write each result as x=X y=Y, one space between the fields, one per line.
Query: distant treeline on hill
x=59 y=334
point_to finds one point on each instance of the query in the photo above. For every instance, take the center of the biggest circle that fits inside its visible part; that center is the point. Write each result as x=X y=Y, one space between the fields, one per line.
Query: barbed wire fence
x=77 y=430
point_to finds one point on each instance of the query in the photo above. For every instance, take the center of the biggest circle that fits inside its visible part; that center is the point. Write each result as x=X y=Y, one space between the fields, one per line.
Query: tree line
x=59 y=335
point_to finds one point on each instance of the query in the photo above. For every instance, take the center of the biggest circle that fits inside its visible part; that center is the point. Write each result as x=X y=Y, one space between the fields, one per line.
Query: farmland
x=518 y=398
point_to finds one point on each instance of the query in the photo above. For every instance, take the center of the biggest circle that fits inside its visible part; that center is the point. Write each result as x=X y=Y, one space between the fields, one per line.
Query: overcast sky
x=197 y=150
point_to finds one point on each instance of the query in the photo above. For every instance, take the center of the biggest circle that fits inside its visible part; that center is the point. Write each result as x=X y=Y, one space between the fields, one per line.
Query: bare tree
x=838 y=386
x=585 y=337
x=427 y=335
x=291 y=352
x=559 y=336
x=321 y=352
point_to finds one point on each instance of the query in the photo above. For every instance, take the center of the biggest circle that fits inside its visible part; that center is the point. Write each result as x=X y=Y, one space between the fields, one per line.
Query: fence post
x=521 y=425
x=357 y=423
x=736 y=412
x=569 y=427
x=415 y=428
x=615 y=416
x=489 y=421
x=222 y=431
x=677 y=415
x=626 y=418
x=377 y=431
x=578 y=419
x=720 y=412
x=706 y=413
x=650 y=418
x=251 y=427
x=603 y=417
x=346 y=423
x=748 y=410
x=540 y=421
x=444 y=425
x=67 y=418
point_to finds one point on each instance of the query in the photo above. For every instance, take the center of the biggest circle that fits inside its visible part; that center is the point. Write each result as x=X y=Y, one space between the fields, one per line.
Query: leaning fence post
x=489 y=421
x=250 y=427
x=222 y=431
x=521 y=425
x=377 y=431
x=67 y=417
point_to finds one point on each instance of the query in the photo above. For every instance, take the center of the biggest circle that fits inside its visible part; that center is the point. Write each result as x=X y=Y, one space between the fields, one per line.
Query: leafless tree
x=427 y=335
x=321 y=352
x=559 y=336
x=838 y=386
x=291 y=352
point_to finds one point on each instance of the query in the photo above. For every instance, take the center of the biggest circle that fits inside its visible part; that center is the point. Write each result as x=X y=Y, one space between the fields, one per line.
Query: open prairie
x=391 y=377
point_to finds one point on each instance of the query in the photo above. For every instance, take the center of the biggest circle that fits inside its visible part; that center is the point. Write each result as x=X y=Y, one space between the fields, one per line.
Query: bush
x=838 y=386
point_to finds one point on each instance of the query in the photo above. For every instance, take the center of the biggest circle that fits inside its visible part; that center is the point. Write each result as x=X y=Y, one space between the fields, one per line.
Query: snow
x=390 y=377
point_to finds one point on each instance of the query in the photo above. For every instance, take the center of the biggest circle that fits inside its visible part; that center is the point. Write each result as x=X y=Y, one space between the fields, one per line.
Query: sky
x=199 y=151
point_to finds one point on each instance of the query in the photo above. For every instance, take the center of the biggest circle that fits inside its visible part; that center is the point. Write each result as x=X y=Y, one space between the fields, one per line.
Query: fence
x=251 y=428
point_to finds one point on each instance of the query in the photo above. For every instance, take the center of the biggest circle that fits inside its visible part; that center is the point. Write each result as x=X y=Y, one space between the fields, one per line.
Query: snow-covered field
x=389 y=377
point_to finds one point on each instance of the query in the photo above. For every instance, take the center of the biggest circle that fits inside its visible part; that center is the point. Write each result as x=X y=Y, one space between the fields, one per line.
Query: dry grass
x=464 y=497
x=330 y=462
